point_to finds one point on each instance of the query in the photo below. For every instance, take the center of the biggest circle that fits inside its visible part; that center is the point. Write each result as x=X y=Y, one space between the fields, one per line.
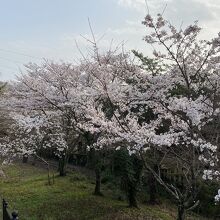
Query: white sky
x=36 y=29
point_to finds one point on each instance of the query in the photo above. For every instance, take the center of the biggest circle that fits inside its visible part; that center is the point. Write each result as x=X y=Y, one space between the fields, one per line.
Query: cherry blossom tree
x=170 y=112
x=49 y=100
x=5 y=123
x=197 y=63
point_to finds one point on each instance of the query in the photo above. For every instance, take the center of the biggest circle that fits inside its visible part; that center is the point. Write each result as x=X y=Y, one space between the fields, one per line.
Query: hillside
x=26 y=189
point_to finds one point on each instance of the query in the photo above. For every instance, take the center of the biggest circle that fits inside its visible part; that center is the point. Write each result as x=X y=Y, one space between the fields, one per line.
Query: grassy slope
x=70 y=198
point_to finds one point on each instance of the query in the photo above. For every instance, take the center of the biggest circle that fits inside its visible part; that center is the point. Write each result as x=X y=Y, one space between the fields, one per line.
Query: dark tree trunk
x=152 y=189
x=181 y=212
x=25 y=158
x=132 y=197
x=97 y=191
x=63 y=165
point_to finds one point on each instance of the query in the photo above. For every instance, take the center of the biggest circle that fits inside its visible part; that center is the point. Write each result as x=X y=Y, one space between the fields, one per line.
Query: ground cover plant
x=27 y=190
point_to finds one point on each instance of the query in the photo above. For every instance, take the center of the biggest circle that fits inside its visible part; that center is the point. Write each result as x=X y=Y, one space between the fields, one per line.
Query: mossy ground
x=70 y=198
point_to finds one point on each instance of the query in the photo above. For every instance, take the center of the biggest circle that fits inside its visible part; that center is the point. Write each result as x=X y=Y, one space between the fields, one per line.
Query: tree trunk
x=181 y=212
x=97 y=191
x=25 y=158
x=132 y=197
x=152 y=189
x=62 y=165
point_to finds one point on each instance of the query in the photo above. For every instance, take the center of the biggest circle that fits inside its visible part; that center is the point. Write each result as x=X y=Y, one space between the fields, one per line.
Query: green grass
x=69 y=198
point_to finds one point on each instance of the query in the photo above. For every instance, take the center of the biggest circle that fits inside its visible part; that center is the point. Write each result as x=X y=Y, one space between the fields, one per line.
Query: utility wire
x=7 y=67
x=12 y=61
x=18 y=53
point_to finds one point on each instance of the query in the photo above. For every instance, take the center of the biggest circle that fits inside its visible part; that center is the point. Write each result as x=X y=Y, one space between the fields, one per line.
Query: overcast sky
x=36 y=29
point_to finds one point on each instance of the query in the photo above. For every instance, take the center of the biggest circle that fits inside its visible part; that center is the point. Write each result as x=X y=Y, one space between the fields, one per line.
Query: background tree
x=129 y=169
x=50 y=100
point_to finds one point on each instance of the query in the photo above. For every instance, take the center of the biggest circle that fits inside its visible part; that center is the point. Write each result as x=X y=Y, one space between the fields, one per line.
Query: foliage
x=129 y=169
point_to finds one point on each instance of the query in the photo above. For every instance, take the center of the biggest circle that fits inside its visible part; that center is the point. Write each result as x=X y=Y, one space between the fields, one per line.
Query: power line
x=22 y=54
x=12 y=61
x=7 y=67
